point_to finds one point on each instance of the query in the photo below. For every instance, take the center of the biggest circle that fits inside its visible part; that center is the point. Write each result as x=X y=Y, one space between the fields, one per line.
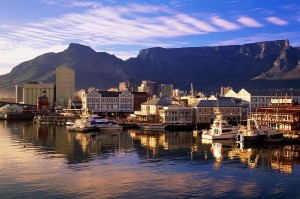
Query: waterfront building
x=65 y=85
x=260 y=98
x=280 y=115
x=33 y=90
x=204 y=110
x=107 y=103
x=150 y=110
x=43 y=103
x=176 y=115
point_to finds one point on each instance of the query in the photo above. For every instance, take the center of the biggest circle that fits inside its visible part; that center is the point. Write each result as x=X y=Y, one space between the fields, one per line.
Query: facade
x=263 y=98
x=33 y=90
x=43 y=104
x=106 y=102
x=204 y=110
x=225 y=90
x=150 y=110
x=18 y=94
x=176 y=115
x=138 y=99
x=283 y=116
x=122 y=86
x=65 y=85
x=150 y=87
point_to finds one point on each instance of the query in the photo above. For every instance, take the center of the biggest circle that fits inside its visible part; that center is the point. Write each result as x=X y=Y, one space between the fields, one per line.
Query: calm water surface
x=39 y=161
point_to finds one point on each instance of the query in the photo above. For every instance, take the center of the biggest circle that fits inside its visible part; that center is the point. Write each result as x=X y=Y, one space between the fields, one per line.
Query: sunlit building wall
x=65 y=85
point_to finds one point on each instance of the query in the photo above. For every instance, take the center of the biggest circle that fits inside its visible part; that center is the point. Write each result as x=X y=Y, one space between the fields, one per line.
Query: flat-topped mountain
x=269 y=64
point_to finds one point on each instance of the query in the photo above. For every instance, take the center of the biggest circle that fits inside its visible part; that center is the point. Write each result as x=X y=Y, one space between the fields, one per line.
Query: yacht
x=220 y=129
x=255 y=132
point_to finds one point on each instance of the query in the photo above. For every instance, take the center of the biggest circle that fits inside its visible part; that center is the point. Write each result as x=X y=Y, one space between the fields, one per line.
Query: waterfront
x=46 y=161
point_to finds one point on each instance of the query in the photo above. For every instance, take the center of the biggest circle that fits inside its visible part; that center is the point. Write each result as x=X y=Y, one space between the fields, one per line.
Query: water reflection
x=153 y=146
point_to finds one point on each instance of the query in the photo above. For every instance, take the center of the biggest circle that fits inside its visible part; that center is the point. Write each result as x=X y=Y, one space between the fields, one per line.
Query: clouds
x=277 y=21
x=247 y=21
x=122 y=28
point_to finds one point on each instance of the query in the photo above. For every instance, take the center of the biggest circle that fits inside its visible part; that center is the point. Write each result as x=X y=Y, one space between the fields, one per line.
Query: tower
x=65 y=85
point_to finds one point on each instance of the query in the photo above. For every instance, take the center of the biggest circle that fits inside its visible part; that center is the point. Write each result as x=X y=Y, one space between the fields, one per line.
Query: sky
x=29 y=28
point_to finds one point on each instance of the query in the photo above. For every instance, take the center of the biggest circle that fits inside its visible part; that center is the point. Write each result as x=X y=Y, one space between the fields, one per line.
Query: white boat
x=255 y=132
x=111 y=125
x=220 y=129
x=81 y=125
x=97 y=121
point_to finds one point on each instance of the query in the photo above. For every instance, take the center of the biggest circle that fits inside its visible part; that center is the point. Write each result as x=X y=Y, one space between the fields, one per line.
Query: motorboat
x=111 y=125
x=220 y=129
x=255 y=132
x=82 y=125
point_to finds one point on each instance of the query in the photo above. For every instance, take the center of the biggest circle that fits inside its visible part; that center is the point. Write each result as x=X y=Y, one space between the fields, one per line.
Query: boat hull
x=218 y=137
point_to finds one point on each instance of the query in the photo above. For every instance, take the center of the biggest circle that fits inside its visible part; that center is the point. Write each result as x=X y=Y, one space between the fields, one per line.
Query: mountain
x=269 y=64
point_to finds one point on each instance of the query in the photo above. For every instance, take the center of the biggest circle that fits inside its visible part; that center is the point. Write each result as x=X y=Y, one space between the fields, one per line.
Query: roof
x=215 y=103
x=157 y=102
x=278 y=93
x=109 y=93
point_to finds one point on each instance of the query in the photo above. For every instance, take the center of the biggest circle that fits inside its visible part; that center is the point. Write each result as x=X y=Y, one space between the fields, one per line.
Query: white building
x=95 y=101
x=176 y=115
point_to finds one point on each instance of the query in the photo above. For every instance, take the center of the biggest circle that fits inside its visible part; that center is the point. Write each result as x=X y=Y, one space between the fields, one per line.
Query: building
x=33 y=90
x=107 y=103
x=43 y=103
x=150 y=110
x=122 y=86
x=138 y=99
x=225 y=90
x=150 y=87
x=260 y=98
x=176 y=115
x=166 y=90
x=65 y=85
x=204 y=111
x=280 y=115
x=18 y=94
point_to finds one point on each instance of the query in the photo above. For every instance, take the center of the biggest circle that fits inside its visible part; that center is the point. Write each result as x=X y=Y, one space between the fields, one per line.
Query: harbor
x=140 y=157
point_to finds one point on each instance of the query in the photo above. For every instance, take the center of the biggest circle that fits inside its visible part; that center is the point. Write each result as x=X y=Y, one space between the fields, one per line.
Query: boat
x=111 y=125
x=97 y=121
x=255 y=132
x=153 y=127
x=220 y=129
x=82 y=125
x=69 y=124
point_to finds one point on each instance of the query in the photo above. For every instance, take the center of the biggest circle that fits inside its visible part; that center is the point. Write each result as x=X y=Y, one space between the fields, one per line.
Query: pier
x=53 y=119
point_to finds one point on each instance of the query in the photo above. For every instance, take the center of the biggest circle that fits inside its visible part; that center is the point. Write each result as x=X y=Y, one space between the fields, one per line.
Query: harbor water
x=46 y=161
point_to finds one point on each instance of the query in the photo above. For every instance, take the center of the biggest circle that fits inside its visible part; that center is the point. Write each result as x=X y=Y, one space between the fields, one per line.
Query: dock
x=53 y=119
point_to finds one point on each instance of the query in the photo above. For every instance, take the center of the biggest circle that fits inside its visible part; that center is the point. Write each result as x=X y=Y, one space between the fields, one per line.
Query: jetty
x=54 y=119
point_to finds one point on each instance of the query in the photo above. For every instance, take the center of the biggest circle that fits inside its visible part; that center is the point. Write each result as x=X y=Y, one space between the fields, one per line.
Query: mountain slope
x=263 y=64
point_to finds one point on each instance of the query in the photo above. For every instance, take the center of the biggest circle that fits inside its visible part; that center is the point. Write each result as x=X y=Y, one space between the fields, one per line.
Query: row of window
x=110 y=107
x=232 y=110
x=109 y=100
